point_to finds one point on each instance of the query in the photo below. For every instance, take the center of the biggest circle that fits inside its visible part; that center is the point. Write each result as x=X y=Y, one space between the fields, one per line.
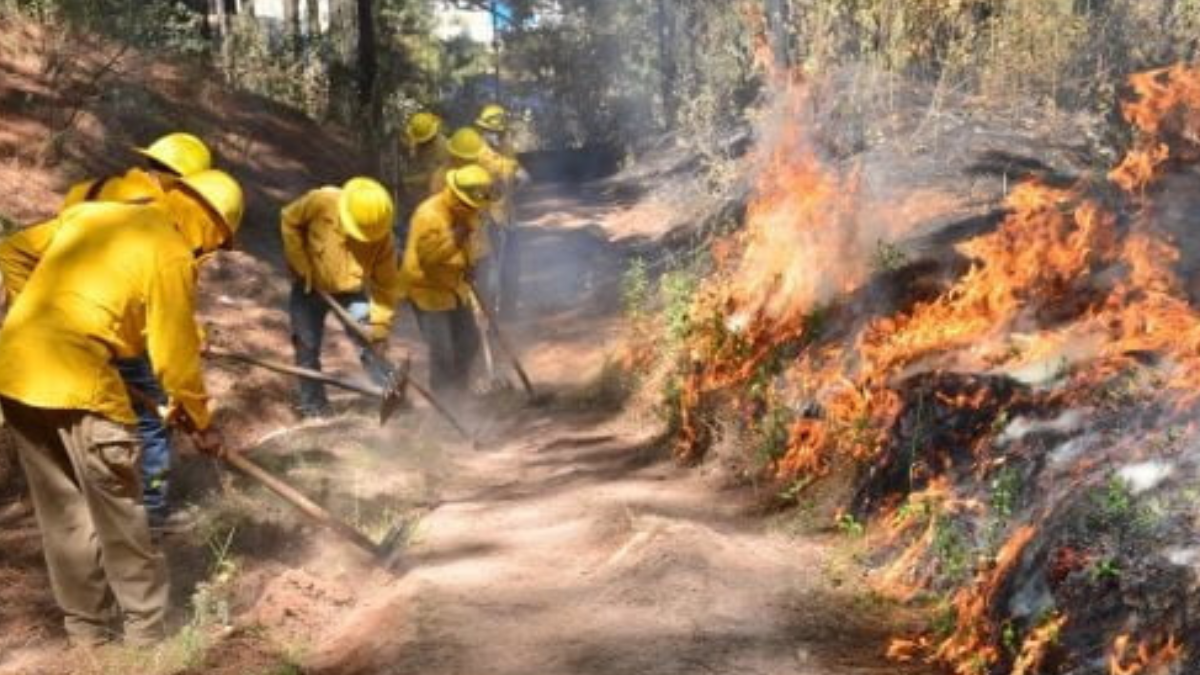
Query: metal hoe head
x=395 y=394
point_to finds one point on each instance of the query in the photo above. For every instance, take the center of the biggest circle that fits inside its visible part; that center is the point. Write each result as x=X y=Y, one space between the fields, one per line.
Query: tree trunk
x=313 y=17
x=218 y=10
x=291 y=28
x=222 y=33
x=368 y=58
x=667 y=67
x=777 y=32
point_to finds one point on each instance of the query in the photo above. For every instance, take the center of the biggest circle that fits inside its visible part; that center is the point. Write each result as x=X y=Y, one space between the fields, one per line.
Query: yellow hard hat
x=366 y=209
x=493 y=118
x=422 y=127
x=472 y=184
x=221 y=194
x=466 y=144
x=181 y=153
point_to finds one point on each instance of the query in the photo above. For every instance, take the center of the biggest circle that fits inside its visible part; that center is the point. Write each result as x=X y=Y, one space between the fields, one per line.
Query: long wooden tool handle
x=503 y=342
x=442 y=409
x=488 y=359
x=304 y=504
x=346 y=318
x=291 y=495
x=356 y=329
x=305 y=373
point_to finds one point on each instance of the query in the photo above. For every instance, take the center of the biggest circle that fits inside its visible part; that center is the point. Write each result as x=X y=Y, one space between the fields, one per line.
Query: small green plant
x=1107 y=569
x=952 y=549
x=209 y=601
x=672 y=401
x=635 y=290
x=774 y=431
x=791 y=493
x=1116 y=500
x=945 y=620
x=1063 y=369
x=678 y=289
x=1010 y=638
x=848 y=525
x=889 y=257
x=1000 y=423
x=918 y=510
x=816 y=323
x=1005 y=492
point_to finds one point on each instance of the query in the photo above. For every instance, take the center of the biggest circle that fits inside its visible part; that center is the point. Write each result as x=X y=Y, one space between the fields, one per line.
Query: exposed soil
x=567 y=543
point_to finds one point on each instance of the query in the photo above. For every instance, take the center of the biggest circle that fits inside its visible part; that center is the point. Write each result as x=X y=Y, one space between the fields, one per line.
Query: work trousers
x=85 y=482
x=500 y=273
x=453 y=341
x=156 y=438
x=308 y=312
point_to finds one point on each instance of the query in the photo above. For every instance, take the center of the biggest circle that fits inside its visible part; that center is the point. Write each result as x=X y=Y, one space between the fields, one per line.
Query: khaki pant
x=84 y=477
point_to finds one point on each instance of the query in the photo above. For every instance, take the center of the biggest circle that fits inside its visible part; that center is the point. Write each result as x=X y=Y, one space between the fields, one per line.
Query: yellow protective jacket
x=133 y=185
x=114 y=281
x=443 y=246
x=504 y=170
x=417 y=172
x=317 y=249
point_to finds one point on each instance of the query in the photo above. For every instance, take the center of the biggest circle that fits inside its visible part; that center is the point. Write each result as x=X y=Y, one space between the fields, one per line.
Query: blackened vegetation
x=1101 y=559
x=944 y=429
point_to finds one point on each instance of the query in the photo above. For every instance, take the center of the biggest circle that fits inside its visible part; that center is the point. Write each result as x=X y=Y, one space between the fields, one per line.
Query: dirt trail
x=571 y=545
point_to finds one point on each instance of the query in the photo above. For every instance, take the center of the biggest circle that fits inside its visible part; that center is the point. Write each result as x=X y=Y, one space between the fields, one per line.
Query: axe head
x=395 y=394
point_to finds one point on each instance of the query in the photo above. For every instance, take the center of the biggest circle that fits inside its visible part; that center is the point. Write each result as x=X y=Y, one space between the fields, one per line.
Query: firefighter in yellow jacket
x=423 y=152
x=170 y=157
x=167 y=159
x=463 y=149
x=115 y=280
x=444 y=246
x=500 y=277
x=339 y=240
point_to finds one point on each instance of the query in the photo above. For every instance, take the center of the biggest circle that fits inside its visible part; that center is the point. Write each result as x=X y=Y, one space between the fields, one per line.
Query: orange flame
x=974 y=639
x=1124 y=659
x=1037 y=645
x=1166 y=111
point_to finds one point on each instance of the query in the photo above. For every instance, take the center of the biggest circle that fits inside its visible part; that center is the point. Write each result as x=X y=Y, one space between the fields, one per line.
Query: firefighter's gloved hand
x=209 y=442
x=378 y=333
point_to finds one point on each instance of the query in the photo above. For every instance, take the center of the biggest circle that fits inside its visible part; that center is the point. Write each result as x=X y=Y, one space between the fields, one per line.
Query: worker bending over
x=167 y=159
x=114 y=281
x=444 y=246
x=340 y=241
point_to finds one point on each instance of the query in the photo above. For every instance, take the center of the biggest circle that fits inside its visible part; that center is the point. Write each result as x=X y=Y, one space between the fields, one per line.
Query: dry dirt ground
x=567 y=543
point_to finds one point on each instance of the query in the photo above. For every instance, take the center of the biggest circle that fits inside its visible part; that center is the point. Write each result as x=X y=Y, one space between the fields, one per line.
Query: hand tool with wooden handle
x=355 y=329
x=315 y=512
x=391 y=397
x=490 y=328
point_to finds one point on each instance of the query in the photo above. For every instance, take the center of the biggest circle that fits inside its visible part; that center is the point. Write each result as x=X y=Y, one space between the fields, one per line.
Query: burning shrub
x=1061 y=352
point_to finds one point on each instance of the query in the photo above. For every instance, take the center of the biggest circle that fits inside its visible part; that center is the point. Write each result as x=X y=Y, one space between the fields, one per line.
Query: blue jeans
x=156 y=438
x=307 y=312
x=453 y=339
